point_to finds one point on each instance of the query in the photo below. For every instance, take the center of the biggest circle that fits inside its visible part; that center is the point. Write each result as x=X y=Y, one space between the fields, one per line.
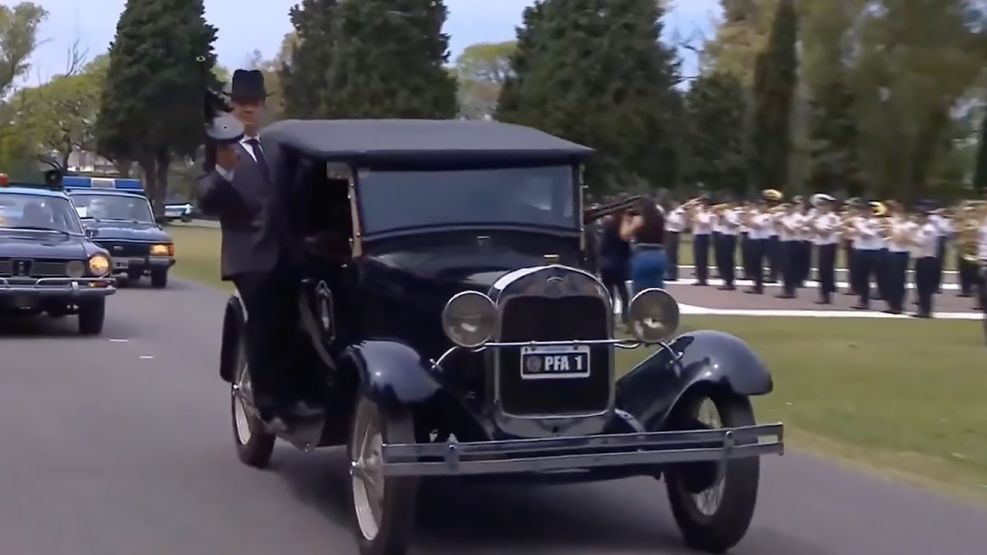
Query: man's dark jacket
x=251 y=212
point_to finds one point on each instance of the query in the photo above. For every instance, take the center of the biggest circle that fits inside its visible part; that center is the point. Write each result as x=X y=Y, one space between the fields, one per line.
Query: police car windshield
x=38 y=213
x=536 y=196
x=113 y=207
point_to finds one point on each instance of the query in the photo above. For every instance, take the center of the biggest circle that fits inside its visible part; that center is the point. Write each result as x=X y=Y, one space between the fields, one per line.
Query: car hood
x=34 y=244
x=128 y=231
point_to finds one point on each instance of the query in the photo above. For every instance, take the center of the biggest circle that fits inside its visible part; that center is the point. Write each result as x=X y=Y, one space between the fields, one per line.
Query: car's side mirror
x=92 y=233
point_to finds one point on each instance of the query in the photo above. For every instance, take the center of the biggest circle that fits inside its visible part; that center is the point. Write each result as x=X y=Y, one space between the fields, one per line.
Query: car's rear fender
x=697 y=359
x=234 y=318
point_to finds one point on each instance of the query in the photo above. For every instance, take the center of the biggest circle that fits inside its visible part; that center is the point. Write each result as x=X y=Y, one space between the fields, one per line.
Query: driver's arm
x=217 y=197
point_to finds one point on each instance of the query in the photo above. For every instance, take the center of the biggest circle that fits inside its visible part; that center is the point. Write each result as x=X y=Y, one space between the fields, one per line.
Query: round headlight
x=469 y=319
x=99 y=265
x=653 y=315
x=75 y=269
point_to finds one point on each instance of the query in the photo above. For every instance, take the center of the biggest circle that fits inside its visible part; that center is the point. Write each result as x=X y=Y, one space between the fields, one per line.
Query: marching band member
x=944 y=229
x=799 y=219
x=901 y=231
x=774 y=198
x=701 y=222
x=926 y=263
x=882 y=212
x=805 y=240
x=746 y=212
x=867 y=245
x=851 y=212
x=675 y=222
x=788 y=235
x=982 y=273
x=826 y=236
x=760 y=224
x=729 y=229
x=966 y=234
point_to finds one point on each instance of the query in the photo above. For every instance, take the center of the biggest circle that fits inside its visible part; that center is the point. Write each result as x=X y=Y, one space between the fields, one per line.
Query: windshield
x=540 y=196
x=113 y=207
x=20 y=211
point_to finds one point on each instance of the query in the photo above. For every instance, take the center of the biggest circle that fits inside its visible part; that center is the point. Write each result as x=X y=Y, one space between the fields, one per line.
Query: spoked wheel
x=712 y=506
x=254 y=445
x=383 y=507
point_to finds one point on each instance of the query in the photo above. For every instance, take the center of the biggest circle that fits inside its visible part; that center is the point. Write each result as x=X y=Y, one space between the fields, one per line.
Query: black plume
x=214 y=104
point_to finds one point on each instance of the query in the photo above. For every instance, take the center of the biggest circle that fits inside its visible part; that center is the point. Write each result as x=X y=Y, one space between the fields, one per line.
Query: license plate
x=546 y=363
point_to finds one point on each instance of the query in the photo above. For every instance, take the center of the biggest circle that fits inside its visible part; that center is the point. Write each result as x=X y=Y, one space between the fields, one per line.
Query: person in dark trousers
x=803 y=261
x=826 y=237
x=788 y=226
x=944 y=229
x=760 y=224
x=701 y=224
x=851 y=211
x=258 y=256
x=745 y=210
x=882 y=262
x=926 y=261
x=773 y=197
x=729 y=219
x=900 y=243
x=867 y=246
x=644 y=227
x=675 y=224
x=615 y=260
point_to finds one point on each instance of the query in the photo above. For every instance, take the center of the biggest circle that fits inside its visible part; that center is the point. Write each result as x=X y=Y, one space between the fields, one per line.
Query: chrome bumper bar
x=58 y=286
x=584 y=452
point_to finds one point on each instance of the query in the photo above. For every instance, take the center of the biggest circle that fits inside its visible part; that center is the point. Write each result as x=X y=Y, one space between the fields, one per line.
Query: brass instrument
x=592 y=214
x=970 y=219
x=772 y=195
x=879 y=209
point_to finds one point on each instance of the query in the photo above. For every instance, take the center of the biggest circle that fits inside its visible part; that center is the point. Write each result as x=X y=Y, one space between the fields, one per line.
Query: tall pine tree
x=151 y=107
x=306 y=75
x=980 y=171
x=775 y=80
x=715 y=109
x=835 y=141
x=595 y=72
x=389 y=61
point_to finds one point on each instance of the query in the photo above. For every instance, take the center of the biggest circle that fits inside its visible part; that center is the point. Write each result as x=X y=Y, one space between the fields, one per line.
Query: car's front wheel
x=254 y=444
x=714 y=508
x=383 y=507
x=159 y=279
x=92 y=314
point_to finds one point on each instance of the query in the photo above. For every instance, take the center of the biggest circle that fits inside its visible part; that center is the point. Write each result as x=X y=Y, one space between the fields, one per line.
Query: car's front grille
x=34 y=268
x=554 y=319
x=125 y=249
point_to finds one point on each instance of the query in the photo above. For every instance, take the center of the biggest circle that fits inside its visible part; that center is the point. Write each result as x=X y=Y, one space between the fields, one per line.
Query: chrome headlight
x=469 y=319
x=75 y=269
x=653 y=315
x=99 y=265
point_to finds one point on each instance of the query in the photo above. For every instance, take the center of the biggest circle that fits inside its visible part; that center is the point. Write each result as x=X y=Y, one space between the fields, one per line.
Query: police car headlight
x=469 y=319
x=75 y=269
x=162 y=250
x=99 y=265
x=653 y=315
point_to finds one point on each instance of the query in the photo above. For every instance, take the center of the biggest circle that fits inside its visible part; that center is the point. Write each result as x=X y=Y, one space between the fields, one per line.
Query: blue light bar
x=118 y=183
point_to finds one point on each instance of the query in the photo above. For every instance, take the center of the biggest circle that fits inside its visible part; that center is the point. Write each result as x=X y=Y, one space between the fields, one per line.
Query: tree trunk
x=160 y=194
x=147 y=165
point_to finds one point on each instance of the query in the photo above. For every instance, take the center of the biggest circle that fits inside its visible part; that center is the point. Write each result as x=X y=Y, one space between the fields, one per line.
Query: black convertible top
x=420 y=142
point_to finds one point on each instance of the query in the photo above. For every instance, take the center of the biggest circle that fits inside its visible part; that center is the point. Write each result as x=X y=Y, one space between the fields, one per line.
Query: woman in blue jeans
x=645 y=226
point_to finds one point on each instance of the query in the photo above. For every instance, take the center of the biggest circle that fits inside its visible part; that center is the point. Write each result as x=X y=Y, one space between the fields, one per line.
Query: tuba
x=971 y=218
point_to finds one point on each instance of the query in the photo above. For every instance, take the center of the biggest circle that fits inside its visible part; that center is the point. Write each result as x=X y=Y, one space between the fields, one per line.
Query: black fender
x=392 y=373
x=234 y=319
x=652 y=389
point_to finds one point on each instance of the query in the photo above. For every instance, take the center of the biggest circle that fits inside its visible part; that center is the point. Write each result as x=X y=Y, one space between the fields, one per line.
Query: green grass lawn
x=906 y=397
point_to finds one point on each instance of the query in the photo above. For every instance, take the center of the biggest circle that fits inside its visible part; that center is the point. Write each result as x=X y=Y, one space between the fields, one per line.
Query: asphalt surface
x=122 y=445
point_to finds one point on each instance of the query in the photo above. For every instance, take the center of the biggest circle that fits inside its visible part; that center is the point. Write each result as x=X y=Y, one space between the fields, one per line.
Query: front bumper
x=68 y=288
x=142 y=263
x=584 y=452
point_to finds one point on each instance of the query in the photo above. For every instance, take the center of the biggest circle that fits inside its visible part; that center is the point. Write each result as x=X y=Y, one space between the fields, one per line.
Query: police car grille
x=554 y=319
x=38 y=268
x=126 y=249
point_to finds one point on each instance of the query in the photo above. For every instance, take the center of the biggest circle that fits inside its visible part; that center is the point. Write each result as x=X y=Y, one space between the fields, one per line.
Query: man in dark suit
x=258 y=254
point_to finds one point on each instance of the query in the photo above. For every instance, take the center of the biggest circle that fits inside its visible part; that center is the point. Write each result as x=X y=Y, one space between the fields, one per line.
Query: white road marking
x=699 y=310
x=146 y=357
x=808 y=284
x=119 y=340
x=814 y=270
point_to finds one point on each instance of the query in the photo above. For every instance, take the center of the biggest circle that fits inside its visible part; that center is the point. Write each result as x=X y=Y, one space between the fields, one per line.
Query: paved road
x=119 y=448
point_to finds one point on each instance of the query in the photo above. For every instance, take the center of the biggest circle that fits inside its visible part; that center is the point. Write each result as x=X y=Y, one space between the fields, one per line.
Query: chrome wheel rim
x=242 y=398
x=366 y=473
x=708 y=501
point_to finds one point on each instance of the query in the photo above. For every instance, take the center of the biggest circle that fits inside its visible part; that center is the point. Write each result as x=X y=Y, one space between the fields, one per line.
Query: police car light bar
x=76 y=182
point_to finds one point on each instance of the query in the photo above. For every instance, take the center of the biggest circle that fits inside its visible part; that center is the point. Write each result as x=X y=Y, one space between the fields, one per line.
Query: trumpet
x=590 y=215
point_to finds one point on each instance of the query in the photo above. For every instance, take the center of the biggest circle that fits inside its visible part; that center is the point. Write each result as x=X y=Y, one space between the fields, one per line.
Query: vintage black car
x=48 y=264
x=124 y=225
x=450 y=330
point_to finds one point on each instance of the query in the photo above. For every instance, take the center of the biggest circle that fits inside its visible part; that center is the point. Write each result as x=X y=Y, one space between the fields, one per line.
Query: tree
x=389 y=61
x=740 y=38
x=305 y=74
x=151 y=109
x=775 y=80
x=18 y=39
x=595 y=72
x=481 y=71
x=715 y=111
x=980 y=170
x=835 y=141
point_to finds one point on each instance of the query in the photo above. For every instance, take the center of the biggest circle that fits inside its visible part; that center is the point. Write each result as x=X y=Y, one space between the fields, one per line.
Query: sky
x=264 y=24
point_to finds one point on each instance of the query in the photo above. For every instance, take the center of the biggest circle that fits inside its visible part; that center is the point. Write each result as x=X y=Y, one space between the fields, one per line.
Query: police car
x=48 y=263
